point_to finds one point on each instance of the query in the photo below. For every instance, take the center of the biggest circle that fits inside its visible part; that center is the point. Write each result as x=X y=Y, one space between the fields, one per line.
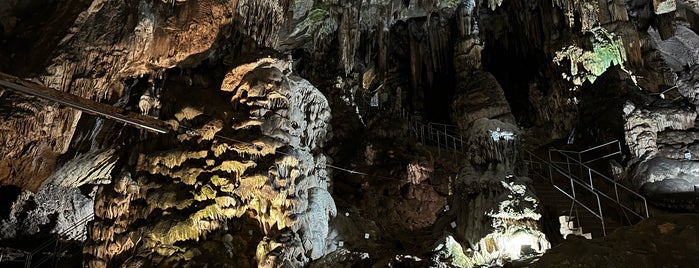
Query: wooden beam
x=92 y=107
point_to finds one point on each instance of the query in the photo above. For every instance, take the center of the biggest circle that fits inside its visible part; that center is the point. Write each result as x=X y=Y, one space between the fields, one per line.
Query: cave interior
x=336 y=133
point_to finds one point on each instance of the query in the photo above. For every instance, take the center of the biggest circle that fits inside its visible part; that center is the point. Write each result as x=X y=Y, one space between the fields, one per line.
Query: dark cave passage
x=517 y=37
x=422 y=54
x=515 y=73
x=439 y=92
x=8 y=195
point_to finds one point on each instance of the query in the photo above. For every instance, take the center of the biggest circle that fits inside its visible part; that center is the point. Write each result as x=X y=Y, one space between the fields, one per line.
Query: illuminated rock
x=496 y=220
x=201 y=198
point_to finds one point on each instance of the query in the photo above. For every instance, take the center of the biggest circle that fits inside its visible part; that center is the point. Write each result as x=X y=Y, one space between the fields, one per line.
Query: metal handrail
x=599 y=146
x=579 y=154
x=616 y=185
x=452 y=129
x=54 y=241
x=573 y=196
x=447 y=137
x=442 y=139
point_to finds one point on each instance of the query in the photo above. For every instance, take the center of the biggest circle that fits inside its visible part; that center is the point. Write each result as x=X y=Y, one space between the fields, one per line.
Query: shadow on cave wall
x=601 y=104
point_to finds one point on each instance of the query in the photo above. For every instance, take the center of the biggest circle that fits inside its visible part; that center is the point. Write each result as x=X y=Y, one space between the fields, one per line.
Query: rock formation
x=252 y=181
x=246 y=170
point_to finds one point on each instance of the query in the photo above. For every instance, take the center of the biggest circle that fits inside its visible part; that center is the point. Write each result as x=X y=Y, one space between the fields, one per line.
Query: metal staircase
x=606 y=200
x=596 y=202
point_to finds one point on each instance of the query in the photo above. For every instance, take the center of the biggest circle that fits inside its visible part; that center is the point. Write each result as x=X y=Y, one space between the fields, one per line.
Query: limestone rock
x=480 y=96
x=254 y=189
x=643 y=124
x=665 y=176
x=493 y=209
x=133 y=38
x=491 y=141
x=679 y=51
x=53 y=205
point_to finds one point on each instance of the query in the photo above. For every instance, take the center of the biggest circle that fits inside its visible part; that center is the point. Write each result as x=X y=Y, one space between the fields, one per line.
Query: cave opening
x=422 y=52
x=517 y=37
x=515 y=74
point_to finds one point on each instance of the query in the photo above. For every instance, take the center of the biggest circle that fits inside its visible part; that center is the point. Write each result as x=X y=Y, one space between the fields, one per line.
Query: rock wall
x=246 y=186
x=107 y=43
x=53 y=209
x=644 y=123
x=661 y=139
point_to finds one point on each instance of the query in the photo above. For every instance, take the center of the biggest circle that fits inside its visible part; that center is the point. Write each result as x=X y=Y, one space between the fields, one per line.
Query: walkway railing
x=626 y=198
x=562 y=181
x=590 y=155
x=444 y=137
x=54 y=242
x=578 y=175
x=571 y=165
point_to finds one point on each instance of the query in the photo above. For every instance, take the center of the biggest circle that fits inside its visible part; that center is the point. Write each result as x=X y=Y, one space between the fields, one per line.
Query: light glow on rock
x=498 y=135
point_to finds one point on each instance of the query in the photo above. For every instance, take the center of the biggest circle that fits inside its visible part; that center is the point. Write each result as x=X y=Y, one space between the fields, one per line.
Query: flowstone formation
x=608 y=50
x=493 y=214
x=92 y=47
x=245 y=186
x=495 y=217
x=53 y=206
x=661 y=138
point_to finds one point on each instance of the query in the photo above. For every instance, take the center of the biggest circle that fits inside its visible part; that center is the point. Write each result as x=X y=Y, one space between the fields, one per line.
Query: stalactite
x=193 y=192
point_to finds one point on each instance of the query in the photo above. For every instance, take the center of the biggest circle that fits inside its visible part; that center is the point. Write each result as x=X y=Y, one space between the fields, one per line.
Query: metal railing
x=437 y=135
x=54 y=242
x=578 y=188
x=600 y=183
x=443 y=136
x=582 y=156
x=570 y=187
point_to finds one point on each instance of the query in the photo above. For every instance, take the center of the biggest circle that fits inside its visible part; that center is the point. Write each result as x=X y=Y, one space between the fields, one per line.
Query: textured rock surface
x=664 y=176
x=53 y=207
x=492 y=142
x=263 y=197
x=130 y=39
x=643 y=124
x=676 y=145
x=259 y=198
x=495 y=215
x=480 y=97
x=678 y=51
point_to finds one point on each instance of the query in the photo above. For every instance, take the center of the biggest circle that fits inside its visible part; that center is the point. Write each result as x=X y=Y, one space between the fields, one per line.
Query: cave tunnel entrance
x=422 y=54
x=514 y=72
x=8 y=195
x=518 y=37
x=438 y=97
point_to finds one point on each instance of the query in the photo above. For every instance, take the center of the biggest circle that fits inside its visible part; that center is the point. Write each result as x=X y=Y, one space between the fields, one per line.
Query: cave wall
x=104 y=45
